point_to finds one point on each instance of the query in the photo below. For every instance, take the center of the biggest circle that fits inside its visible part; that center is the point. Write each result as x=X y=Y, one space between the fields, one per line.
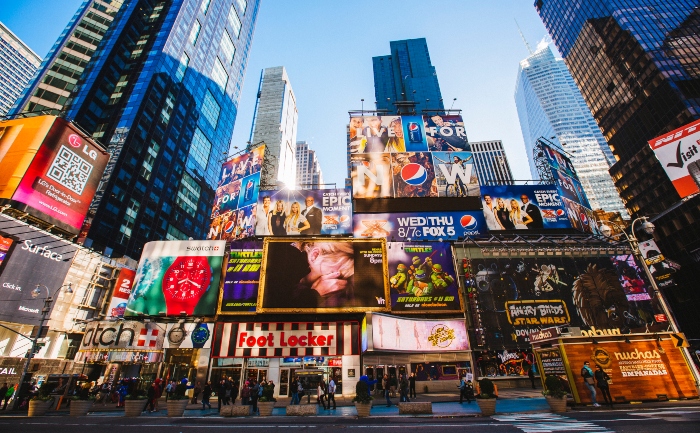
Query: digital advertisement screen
x=678 y=153
x=523 y=207
x=310 y=212
x=423 y=226
x=422 y=278
x=6 y=242
x=121 y=292
x=242 y=278
x=176 y=277
x=333 y=275
x=391 y=333
x=581 y=217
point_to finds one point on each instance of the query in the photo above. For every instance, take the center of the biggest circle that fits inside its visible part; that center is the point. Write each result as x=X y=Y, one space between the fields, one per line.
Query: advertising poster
x=235 y=202
x=38 y=258
x=187 y=336
x=581 y=217
x=310 y=212
x=371 y=175
x=520 y=296
x=679 y=154
x=390 y=333
x=242 y=278
x=424 y=226
x=446 y=133
x=176 y=277
x=59 y=184
x=333 y=275
x=120 y=295
x=523 y=207
x=651 y=252
x=6 y=243
x=559 y=162
x=631 y=278
x=422 y=278
x=571 y=188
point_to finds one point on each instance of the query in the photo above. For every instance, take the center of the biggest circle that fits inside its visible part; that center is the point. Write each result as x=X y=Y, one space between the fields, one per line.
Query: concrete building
x=18 y=64
x=491 y=163
x=309 y=174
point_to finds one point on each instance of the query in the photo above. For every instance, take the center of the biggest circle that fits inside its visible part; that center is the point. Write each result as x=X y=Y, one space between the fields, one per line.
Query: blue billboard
x=420 y=226
x=523 y=207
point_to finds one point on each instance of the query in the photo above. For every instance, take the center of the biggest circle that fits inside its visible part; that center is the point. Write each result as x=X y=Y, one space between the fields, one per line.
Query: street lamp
x=44 y=312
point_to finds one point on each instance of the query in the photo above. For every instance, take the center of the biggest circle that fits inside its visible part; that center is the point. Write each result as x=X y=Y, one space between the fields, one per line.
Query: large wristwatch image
x=184 y=283
x=200 y=335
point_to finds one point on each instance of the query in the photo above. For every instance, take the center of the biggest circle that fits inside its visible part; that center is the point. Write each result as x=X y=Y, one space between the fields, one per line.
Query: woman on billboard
x=296 y=222
x=276 y=219
x=503 y=214
x=516 y=216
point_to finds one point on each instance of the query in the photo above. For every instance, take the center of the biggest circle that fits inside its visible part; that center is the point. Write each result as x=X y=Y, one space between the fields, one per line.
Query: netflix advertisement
x=59 y=184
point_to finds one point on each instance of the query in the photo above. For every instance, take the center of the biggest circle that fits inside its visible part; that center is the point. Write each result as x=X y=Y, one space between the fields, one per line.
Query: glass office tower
x=161 y=91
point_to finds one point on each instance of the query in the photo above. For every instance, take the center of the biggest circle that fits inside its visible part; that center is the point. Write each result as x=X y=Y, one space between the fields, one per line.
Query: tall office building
x=64 y=65
x=275 y=124
x=550 y=105
x=406 y=75
x=18 y=64
x=309 y=174
x=637 y=64
x=162 y=92
x=491 y=163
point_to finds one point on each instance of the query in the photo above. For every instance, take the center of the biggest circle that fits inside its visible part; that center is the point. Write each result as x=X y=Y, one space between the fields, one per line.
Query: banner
x=422 y=278
x=310 y=212
x=242 y=278
x=581 y=217
x=235 y=202
x=558 y=161
x=187 y=336
x=661 y=268
x=333 y=275
x=176 y=278
x=571 y=189
x=6 y=243
x=122 y=335
x=121 y=292
x=678 y=152
x=523 y=207
x=424 y=226
x=390 y=333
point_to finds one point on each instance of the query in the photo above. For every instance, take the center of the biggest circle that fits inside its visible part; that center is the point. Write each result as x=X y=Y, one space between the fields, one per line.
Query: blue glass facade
x=406 y=75
x=165 y=103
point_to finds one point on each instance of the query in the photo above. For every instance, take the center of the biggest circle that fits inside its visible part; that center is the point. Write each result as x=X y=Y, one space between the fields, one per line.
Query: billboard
x=121 y=292
x=558 y=161
x=333 y=275
x=176 y=277
x=521 y=296
x=422 y=278
x=6 y=244
x=187 y=336
x=571 y=188
x=235 y=202
x=523 y=207
x=57 y=166
x=391 y=333
x=679 y=154
x=424 y=226
x=242 y=278
x=310 y=212
x=581 y=217
x=39 y=258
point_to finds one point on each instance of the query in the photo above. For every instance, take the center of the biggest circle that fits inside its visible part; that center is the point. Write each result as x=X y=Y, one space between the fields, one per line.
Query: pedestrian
x=150 y=397
x=295 y=391
x=104 y=392
x=331 y=393
x=393 y=383
x=169 y=390
x=462 y=389
x=603 y=381
x=196 y=391
x=3 y=391
x=206 y=395
x=8 y=395
x=412 y=385
x=122 y=390
x=234 y=389
x=159 y=393
x=403 y=388
x=531 y=375
x=320 y=392
x=469 y=392
x=385 y=385
x=589 y=380
x=255 y=392
x=245 y=394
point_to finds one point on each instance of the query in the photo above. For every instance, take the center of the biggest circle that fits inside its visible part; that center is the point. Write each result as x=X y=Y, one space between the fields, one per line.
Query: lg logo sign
x=74 y=140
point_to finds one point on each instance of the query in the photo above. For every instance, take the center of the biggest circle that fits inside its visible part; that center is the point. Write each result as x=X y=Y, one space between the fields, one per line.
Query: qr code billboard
x=70 y=170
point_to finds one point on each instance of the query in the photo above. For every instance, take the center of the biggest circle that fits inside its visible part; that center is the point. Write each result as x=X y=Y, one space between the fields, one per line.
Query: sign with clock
x=187 y=336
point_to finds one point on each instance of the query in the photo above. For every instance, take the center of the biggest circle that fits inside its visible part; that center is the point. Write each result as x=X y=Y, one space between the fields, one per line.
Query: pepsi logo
x=560 y=212
x=228 y=227
x=584 y=218
x=414 y=174
x=75 y=140
x=413 y=126
x=468 y=222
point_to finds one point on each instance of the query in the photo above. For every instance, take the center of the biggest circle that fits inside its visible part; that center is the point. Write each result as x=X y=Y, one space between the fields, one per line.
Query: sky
x=327 y=48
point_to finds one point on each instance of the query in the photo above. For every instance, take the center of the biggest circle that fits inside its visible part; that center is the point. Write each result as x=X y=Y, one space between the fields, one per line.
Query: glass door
x=284 y=382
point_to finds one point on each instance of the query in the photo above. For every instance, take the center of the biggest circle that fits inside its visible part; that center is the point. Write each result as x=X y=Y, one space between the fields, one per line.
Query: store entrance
x=393 y=373
x=256 y=374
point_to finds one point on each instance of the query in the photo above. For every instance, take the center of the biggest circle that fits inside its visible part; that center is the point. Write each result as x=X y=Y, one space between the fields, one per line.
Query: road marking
x=548 y=422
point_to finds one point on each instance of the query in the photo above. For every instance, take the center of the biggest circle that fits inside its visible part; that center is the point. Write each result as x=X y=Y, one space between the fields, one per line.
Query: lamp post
x=44 y=312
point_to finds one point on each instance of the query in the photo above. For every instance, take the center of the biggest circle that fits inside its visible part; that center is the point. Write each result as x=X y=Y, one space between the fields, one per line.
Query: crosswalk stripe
x=548 y=422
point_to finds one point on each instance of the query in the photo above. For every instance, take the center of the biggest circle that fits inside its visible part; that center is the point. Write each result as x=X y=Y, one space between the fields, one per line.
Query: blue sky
x=327 y=47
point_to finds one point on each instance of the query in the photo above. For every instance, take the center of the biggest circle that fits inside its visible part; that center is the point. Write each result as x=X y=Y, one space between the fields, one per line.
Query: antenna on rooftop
x=523 y=36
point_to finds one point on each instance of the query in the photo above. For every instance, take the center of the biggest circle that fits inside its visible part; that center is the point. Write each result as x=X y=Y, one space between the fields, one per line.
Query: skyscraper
x=550 y=105
x=162 y=92
x=490 y=163
x=275 y=124
x=309 y=174
x=18 y=64
x=637 y=64
x=406 y=75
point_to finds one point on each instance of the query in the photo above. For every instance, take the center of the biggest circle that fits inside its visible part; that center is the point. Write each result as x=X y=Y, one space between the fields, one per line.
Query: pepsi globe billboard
x=420 y=226
x=523 y=207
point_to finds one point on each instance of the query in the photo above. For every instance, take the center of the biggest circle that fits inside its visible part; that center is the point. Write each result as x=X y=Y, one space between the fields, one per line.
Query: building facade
x=309 y=174
x=18 y=64
x=406 y=75
x=275 y=124
x=645 y=83
x=491 y=163
x=550 y=105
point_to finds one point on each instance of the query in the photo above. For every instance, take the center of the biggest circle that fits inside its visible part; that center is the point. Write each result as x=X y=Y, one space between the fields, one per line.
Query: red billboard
x=678 y=152
x=121 y=292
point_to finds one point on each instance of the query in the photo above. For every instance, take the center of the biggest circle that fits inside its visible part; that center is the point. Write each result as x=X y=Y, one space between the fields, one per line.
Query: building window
x=130 y=218
x=149 y=160
x=188 y=194
x=218 y=74
x=175 y=234
x=234 y=21
x=200 y=149
x=182 y=67
x=227 y=48
x=205 y=6
x=242 y=5
x=211 y=109
x=194 y=34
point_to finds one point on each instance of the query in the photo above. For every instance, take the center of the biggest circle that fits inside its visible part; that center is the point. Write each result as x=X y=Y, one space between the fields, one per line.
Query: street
x=670 y=419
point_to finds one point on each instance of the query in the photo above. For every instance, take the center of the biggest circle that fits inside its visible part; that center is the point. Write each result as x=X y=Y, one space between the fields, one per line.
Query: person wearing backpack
x=255 y=394
x=245 y=394
x=589 y=381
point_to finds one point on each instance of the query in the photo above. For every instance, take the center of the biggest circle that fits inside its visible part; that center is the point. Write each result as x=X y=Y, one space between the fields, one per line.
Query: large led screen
x=523 y=207
x=678 y=152
x=423 y=226
x=242 y=278
x=391 y=333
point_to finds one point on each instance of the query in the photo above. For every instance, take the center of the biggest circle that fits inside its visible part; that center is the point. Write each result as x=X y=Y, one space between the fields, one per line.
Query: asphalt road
x=668 y=419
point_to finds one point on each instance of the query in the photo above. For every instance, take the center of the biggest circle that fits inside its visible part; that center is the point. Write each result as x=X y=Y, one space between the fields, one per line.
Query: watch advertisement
x=177 y=278
x=333 y=275
x=422 y=278
x=123 y=335
x=187 y=336
x=392 y=333
x=242 y=278
x=420 y=226
x=121 y=292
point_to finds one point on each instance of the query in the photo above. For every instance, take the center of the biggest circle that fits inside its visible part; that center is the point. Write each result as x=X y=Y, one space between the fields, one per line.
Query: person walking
x=403 y=388
x=462 y=389
x=603 y=381
x=531 y=375
x=295 y=392
x=150 y=397
x=122 y=391
x=412 y=385
x=320 y=392
x=255 y=392
x=221 y=392
x=3 y=391
x=159 y=393
x=385 y=385
x=589 y=381
x=104 y=392
x=195 y=392
x=331 y=393
x=206 y=395
x=234 y=390
x=169 y=390
x=245 y=394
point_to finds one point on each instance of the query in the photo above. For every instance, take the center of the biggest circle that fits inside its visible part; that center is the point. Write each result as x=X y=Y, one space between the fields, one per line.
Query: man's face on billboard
x=375 y=122
x=524 y=199
x=309 y=201
x=487 y=200
x=438 y=120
